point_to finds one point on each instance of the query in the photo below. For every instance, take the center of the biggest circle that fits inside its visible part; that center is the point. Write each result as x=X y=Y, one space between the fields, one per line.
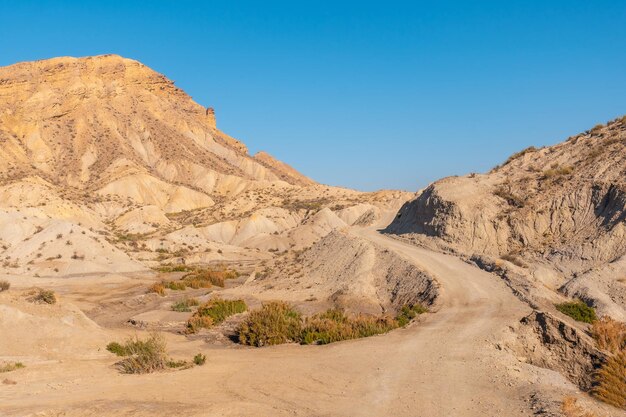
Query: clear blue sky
x=369 y=95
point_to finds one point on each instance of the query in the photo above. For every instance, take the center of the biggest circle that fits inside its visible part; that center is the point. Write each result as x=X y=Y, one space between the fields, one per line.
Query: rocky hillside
x=106 y=165
x=562 y=206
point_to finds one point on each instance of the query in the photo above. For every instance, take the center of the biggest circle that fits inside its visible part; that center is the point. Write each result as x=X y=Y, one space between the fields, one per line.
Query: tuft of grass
x=176 y=364
x=11 y=366
x=578 y=310
x=610 y=381
x=199 y=359
x=41 y=296
x=609 y=334
x=141 y=356
x=216 y=311
x=4 y=285
x=409 y=312
x=557 y=172
x=185 y=305
x=157 y=288
x=273 y=324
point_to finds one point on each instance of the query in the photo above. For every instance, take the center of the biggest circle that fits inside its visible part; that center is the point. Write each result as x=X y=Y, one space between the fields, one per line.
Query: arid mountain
x=562 y=208
x=112 y=153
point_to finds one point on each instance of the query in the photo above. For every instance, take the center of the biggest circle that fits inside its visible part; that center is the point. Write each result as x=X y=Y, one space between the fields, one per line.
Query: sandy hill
x=562 y=207
x=106 y=165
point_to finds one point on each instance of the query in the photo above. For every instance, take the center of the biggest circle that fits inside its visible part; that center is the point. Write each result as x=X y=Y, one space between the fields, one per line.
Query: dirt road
x=444 y=365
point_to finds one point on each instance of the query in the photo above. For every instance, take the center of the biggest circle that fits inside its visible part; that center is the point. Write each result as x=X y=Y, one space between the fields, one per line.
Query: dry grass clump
x=512 y=199
x=4 y=285
x=214 y=312
x=11 y=366
x=141 y=356
x=273 y=324
x=185 y=305
x=610 y=381
x=570 y=408
x=199 y=359
x=557 y=172
x=41 y=296
x=158 y=288
x=515 y=260
x=578 y=310
x=609 y=334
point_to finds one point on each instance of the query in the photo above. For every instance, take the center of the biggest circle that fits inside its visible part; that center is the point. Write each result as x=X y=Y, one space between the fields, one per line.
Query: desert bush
x=158 y=288
x=4 y=285
x=609 y=334
x=176 y=285
x=214 y=312
x=610 y=381
x=199 y=359
x=176 y=364
x=185 y=305
x=11 y=366
x=512 y=199
x=578 y=310
x=334 y=326
x=273 y=324
x=141 y=356
x=41 y=296
x=409 y=312
x=557 y=172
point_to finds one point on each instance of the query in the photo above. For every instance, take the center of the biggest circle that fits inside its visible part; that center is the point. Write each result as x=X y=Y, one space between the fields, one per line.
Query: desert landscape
x=151 y=266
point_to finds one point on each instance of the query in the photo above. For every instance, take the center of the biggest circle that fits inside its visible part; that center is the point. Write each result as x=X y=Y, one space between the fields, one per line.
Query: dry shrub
x=142 y=356
x=11 y=366
x=185 y=305
x=273 y=324
x=609 y=334
x=158 y=288
x=195 y=323
x=570 y=408
x=610 y=381
x=4 y=285
x=41 y=296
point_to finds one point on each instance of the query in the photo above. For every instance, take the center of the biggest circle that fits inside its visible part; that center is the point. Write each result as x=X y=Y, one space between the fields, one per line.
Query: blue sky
x=362 y=94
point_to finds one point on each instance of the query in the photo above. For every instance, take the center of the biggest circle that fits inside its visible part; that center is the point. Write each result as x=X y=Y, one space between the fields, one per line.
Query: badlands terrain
x=122 y=201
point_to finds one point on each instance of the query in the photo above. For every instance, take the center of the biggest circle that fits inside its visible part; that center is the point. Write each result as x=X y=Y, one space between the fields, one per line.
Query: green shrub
x=273 y=324
x=12 y=366
x=214 y=312
x=4 y=285
x=578 y=310
x=199 y=359
x=408 y=313
x=176 y=364
x=117 y=349
x=142 y=356
x=185 y=305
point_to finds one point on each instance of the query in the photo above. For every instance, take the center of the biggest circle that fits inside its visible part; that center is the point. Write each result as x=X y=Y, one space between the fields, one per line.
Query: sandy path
x=445 y=365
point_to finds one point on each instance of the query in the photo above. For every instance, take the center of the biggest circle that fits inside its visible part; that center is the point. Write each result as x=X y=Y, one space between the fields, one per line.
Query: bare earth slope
x=561 y=210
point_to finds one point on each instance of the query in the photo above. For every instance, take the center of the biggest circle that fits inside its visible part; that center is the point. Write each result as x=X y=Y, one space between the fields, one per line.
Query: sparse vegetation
x=157 y=288
x=557 y=172
x=273 y=324
x=185 y=305
x=41 y=296
x=141 y=356
x=409 y=312
x=514 y=259
x=199 y=359
x=578 y=310
x=11 y=366
x=214 y=312
x=278 y=322
x=512 y=199
x=334 y=325
x=4 y=285
x=609 y=334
